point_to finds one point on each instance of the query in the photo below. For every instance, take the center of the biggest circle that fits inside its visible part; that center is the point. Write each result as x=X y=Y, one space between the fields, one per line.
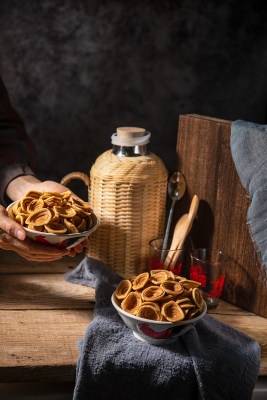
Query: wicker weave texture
x=128 y=195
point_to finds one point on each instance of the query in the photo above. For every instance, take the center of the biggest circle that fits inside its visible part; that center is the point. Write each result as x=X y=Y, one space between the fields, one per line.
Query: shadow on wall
x=77 y=70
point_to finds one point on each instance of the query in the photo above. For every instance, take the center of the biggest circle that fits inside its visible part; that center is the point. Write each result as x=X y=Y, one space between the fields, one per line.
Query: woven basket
x=128 y=195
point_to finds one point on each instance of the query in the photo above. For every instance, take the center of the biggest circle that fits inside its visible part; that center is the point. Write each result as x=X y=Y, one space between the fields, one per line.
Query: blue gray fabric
x=210 y=362
x=249 y=152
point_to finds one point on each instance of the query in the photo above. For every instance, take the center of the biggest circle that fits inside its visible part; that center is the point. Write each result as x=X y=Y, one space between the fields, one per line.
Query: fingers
x=72 y=253
x=29 y=248
x=79 y=248
x=13 y=237
x=85 y=242
x=36 y=257
x=10 y=226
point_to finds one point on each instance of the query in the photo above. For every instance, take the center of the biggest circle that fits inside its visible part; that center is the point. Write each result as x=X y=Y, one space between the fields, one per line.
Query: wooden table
x=42 y=317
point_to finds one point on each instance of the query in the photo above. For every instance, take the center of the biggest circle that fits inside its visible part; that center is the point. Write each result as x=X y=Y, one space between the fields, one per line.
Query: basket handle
x=75 y=175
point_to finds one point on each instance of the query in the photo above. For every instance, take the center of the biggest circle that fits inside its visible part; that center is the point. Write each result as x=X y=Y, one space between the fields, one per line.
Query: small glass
x=208 y=267
x=173 y=260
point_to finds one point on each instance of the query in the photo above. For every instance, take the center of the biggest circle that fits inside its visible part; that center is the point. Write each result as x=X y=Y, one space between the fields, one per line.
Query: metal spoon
x=176 y=190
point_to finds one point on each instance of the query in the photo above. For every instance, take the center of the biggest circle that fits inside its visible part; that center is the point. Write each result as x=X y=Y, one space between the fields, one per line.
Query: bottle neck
x=130 y=146
x=130 y=151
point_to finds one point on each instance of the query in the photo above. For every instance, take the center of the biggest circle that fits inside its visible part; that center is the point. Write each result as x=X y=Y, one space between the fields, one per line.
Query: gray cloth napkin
x=210 y=362
x=249 y=152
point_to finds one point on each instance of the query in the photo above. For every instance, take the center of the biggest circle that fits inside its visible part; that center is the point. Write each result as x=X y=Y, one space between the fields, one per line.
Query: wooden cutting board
x=204 y=157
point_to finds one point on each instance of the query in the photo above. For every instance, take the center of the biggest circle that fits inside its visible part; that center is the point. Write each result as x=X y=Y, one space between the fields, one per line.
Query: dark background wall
x=77 y=69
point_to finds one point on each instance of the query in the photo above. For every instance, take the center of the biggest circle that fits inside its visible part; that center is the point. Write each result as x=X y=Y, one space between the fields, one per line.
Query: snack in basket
x=52 y=212
x=159 y=295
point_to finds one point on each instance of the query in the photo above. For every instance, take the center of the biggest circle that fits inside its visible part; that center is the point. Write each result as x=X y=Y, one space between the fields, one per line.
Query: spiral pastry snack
x=159 y=295
x=52 y=212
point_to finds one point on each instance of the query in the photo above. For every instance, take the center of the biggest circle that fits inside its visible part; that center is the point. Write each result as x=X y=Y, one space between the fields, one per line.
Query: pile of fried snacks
x=159 y=295
x=52 y=212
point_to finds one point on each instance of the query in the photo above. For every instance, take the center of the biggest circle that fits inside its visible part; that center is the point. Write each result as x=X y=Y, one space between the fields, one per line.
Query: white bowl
x=66 y=240
x=156 y=332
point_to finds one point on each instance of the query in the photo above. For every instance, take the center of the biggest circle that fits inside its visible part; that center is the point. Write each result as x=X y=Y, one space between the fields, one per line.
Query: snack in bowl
x=158 y=306
x=54 y=218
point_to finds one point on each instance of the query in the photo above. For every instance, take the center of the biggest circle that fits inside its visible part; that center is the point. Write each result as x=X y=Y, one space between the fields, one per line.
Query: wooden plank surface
x=43 y=341
x=12 y=263
x=42 y=291
x=42 y=317
x=53 y=333
x=249 y=323
x=204 y=157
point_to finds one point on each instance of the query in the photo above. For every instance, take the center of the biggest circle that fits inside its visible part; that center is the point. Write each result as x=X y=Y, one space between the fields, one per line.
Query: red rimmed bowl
x=66 y=240
x=156 y=332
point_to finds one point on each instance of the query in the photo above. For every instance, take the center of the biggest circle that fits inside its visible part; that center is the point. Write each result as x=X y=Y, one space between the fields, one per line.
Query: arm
x=16 y=179
x=17 y=157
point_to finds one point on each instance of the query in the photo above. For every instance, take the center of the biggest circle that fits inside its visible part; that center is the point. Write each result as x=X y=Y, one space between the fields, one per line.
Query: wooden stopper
x=130 y=132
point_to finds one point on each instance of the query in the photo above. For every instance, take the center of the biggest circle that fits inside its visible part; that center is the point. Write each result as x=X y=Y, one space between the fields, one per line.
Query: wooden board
x=43 y=291
x=204 y=157
x=11 y=262
x=41 y=345
x=249 y=323
x=41 y=319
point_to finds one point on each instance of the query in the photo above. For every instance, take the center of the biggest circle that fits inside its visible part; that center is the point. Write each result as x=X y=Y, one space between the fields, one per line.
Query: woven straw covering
x=128 y=195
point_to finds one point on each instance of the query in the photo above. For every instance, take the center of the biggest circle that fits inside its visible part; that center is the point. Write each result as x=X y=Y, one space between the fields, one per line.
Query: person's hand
x=18 y=188
x=13 y=235
x=78 y=248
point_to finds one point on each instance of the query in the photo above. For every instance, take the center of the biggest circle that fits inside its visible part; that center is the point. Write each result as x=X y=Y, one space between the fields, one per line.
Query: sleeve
x=17 y=155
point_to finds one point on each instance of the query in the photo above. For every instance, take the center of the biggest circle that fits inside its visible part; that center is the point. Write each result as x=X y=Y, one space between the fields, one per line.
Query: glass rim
x=211 y=250
x=154 y=247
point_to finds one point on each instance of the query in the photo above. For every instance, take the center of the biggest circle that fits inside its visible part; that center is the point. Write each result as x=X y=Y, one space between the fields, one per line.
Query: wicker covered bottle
x=128 y=194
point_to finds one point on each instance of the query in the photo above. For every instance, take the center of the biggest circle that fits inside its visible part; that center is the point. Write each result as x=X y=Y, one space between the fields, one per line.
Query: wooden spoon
x=186 y=229
x=178 y=230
